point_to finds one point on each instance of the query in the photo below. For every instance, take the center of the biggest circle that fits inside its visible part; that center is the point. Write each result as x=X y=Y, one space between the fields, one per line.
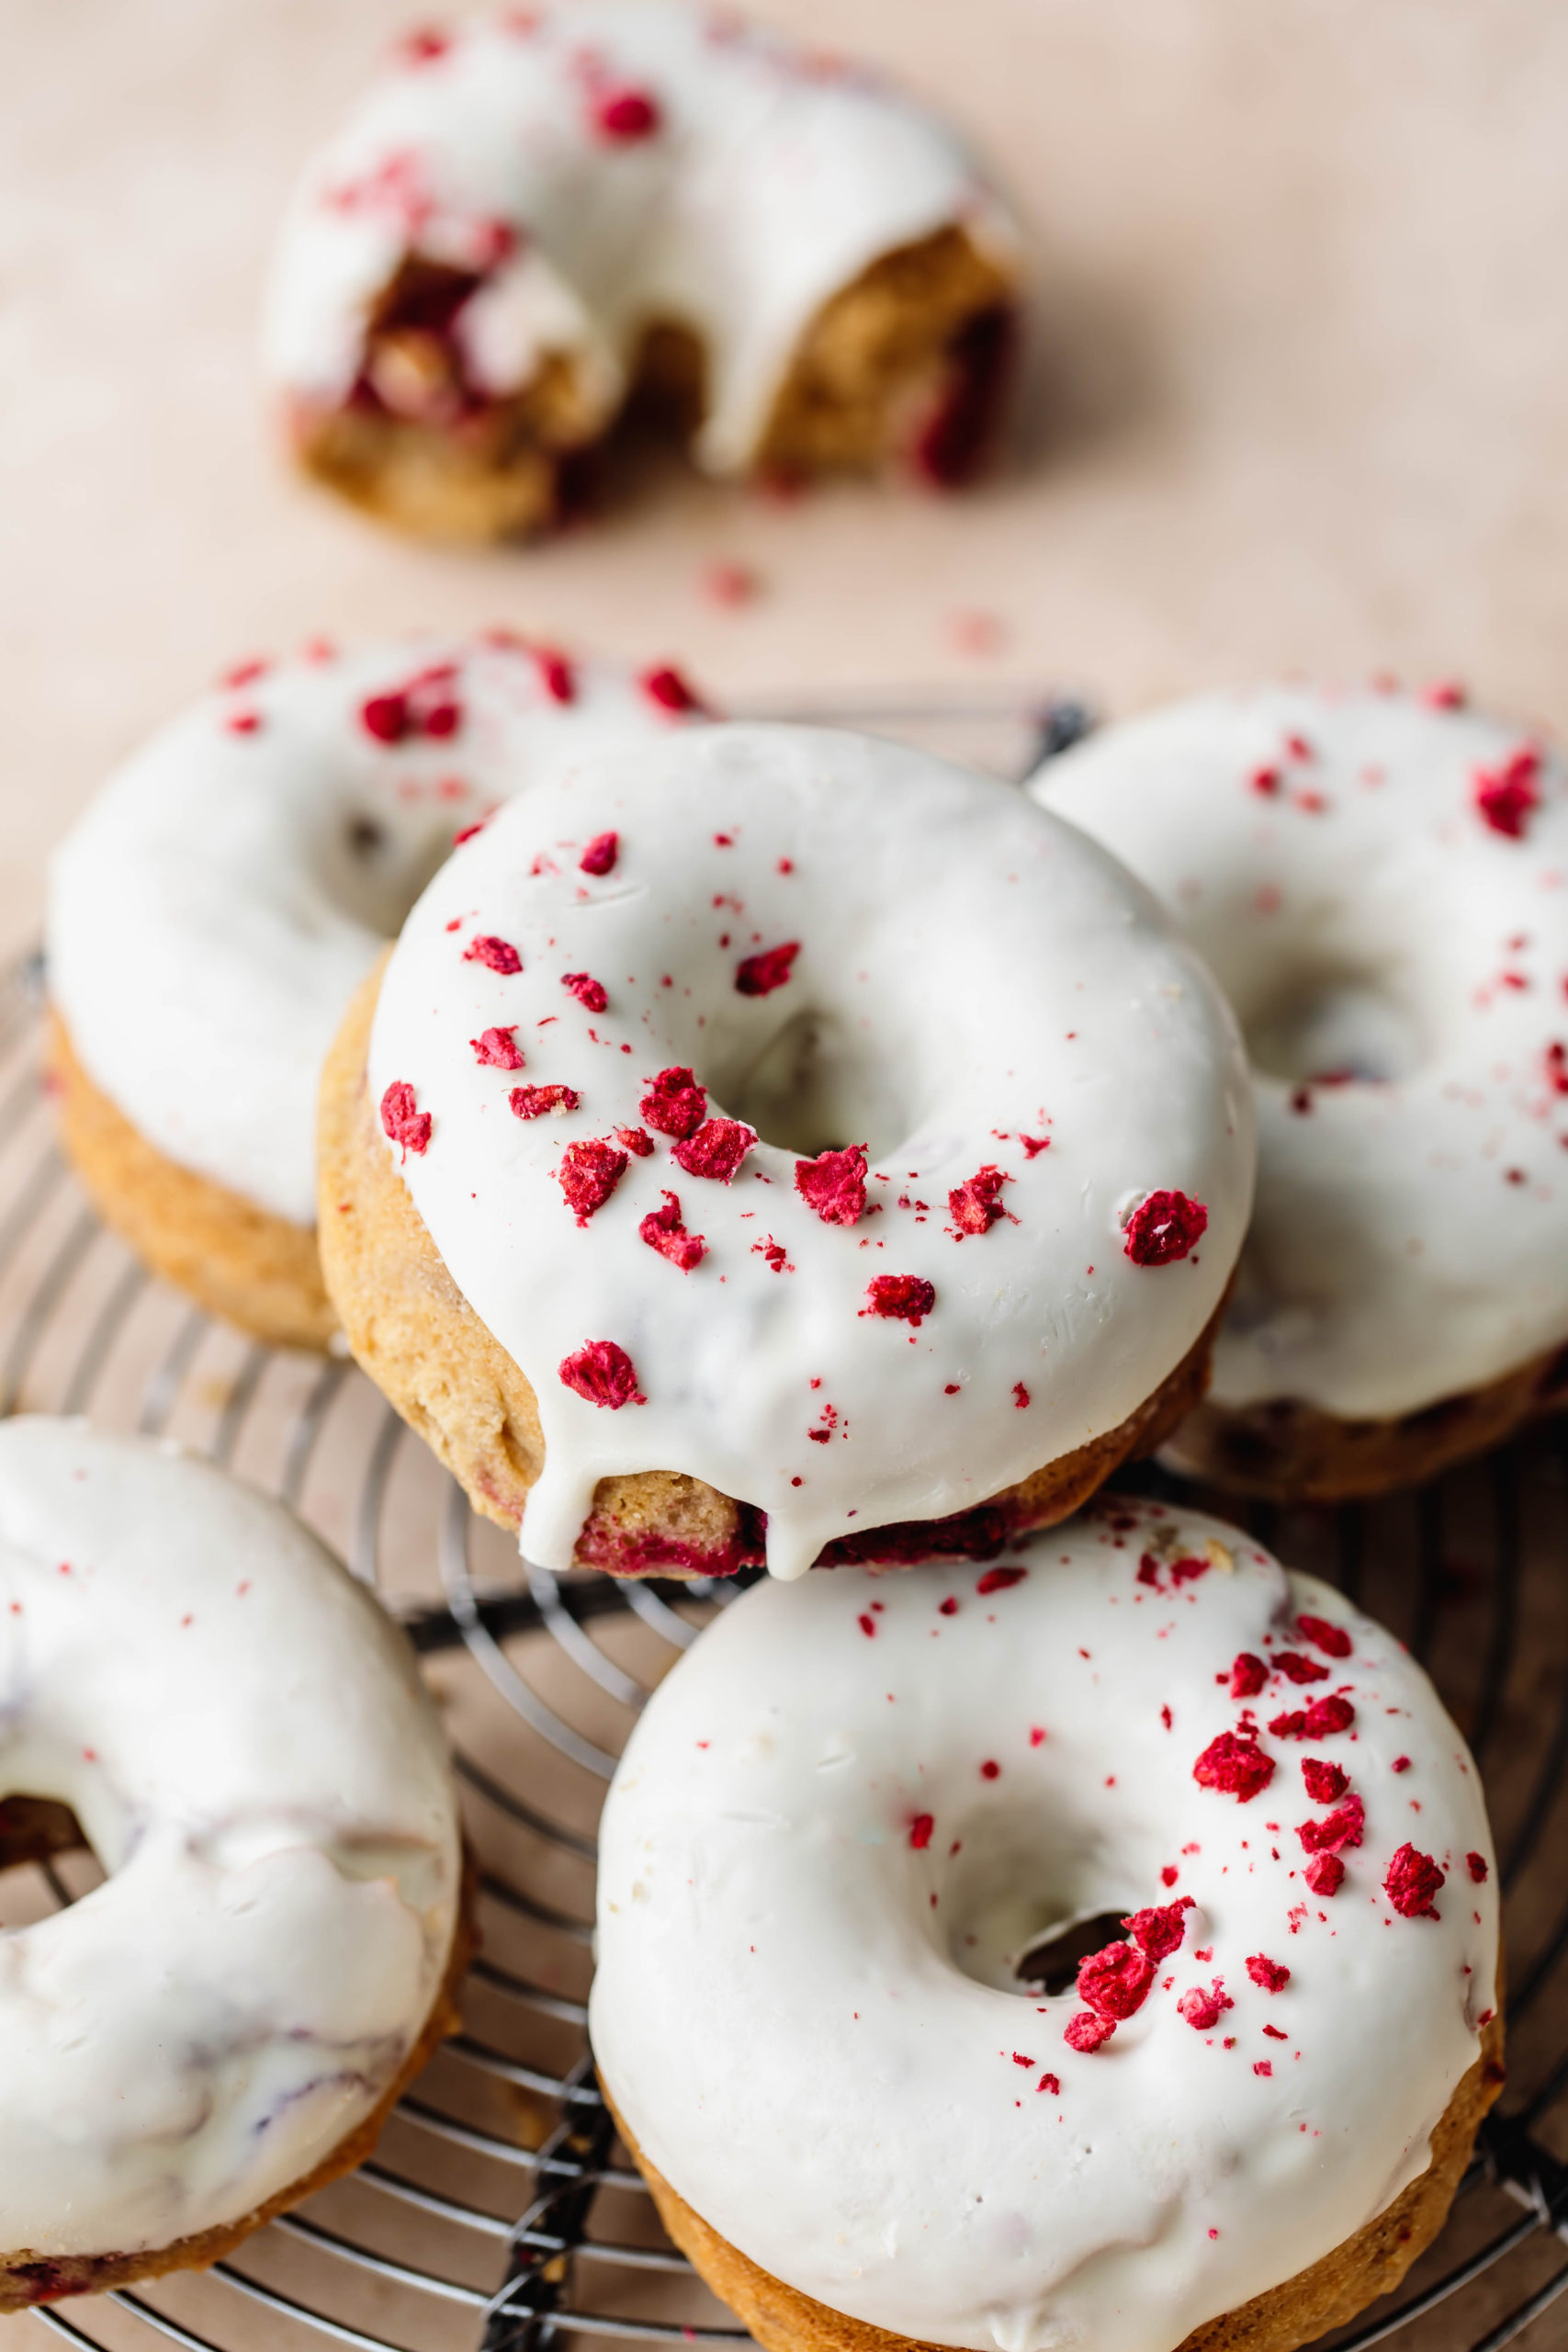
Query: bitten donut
x=242 y=1738
x=539 y=214
x=858 y=1814
x=1379 y=882
x=214 y=911
x=775 y=1138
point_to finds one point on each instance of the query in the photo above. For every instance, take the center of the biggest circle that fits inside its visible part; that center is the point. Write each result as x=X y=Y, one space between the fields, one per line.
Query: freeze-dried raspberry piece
x=1188 y=1571
x=441 y=719
x=599 y=857
x=1325 y=1782
x=497 y=1048
x=1114 y=1983
x=544 y=1102
x=776 y=1255
x=1160 y=1930
x=1051 y=2085
x=633 y=1140
x=761 y=975
x=921 y=1831
x=1297 y=1668
x=1000 y=1579
x=834 y=1184
x=1413 y=1879
x=1477 y=1865
x=1319 y=1721
x=1339 y=1829
x=499 y=954
x=1248 y=1674
x=1164 y=1227
x=602 y=1374
x=587 y=991
x=663 y=1230
x=588 y=1174
x=717 y=1149
x=1203 y=2009
x=1333 y=1639
x=1325 y=1876
x=1508 y=794
x=976 y=1205
x=669 y=690
x=1267 y=1974
x=386 y=717
x=624 y=115
x=906 y=1297
x=1086 y=2032
x=403 y=1120
x=1556 y=1059
x=1235 y=1766
x=675 y=1103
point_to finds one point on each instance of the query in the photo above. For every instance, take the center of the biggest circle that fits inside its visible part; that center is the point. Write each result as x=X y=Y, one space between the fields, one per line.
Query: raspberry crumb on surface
x=1412 y=1881
x=1322 y=1635
x=908 y=1298
x=1160 y=1930
x=1114 y=1982
x=1086 y=2032
x=761 y=975
x=1263 y=2066
x=1020 y=1396
x=1203 y=2010
x=1326 y=1783
x=497 y=1048
x=402 y=1119
x=558 y=675
x=544 y=1102
x=588 y=1174
x=1248 y=1674
x=590 y=993
x=1297 y=1668
x=1164 y=1227
x=497 y=954
x=633 y=1140
x=1508 y=794
x=716 y=1150
x=674 y=1104
x=920 y=1830
x=1320 y=1720
x=834 y=1184
x=1269 y=1975
x=1235 y=1766
x=1477 y=1865
x=667 y=689
x=976 y=1205
x=625 y=115
x=1049 y=2084
x=599 y=857
x=1000 y=1579
x=663 y=1230
x=602 y=1374
x=1337 y=1831
x=1325 y=1876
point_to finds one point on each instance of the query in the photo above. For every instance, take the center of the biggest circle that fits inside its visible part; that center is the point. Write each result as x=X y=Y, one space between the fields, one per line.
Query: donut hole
x=1334 y=1027
x=372 y=863
x=35 y=1833
x=1019 y=1906
x=817 y=1086
x=1051 y=1965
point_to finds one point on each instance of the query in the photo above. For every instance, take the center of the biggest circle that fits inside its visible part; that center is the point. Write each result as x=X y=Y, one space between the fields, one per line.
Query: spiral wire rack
x=497 y=2214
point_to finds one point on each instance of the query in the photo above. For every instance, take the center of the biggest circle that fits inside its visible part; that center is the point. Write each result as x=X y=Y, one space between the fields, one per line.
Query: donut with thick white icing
x=863 y=1147
x=536 y=212
x=1379 y=882
x=215 y=908
x=243 y=1739
x=860 y=1803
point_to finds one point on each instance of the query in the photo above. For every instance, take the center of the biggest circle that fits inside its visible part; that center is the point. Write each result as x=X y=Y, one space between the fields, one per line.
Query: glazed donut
x=215 y=910
x=538 y=214
x=859 y=1812
x=244 y=1740
x=860 y=1147
x=1379 y=881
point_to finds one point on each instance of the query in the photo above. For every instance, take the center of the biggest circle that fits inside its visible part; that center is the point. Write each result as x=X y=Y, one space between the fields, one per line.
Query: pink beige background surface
x=1298 y=396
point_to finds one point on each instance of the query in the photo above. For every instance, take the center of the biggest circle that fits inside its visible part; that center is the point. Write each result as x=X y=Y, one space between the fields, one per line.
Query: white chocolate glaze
x=1410 y=1236
x=246 y=1742
x=811 y=2021
x=773 y=178
x=215 y=908
x=970 y=972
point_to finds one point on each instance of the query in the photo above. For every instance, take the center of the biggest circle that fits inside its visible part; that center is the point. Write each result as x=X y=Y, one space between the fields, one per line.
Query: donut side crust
x=911 y=353
x=254 y=1270
x=27 y=2278
x=1329 y=2292
x=416 y=1335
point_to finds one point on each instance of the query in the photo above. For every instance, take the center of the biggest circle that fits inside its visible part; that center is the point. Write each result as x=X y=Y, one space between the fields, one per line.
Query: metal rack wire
x=496 y=2210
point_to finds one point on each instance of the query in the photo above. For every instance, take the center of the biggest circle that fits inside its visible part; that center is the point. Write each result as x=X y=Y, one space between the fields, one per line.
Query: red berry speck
x=497 y=1048
x=1160 y=1930
x=1164 y=1227
x=543 y=1102
x=674 y=1104
x=559 y=678
x=602 y=1374
x=1506 y=795
x=1235 y=1766
x=920 y=1830
x=834 y=1184
x=1326 y=1783
x=633 y=1140
x=1320 y=1720
x=1331 y=1639
x=667 y=689
x=976 y=1205
x=1086 y=2032
x=761 y=975
x=1325 y=1876
x=497 y=954
x=1020 y=1396
x=588 y=1174
x=1114 y=1983
x=403 y=1120
x=1203 y=2010
x=1051 y=2085
x=386 y=717
x=990 y=1769
x=1000 y=1580
x=716 y=1150
x=1412 y=1881
x=1477 y=1865
x=1297 y=1668
x=625 y=115
x=1337 y=1830
x=589 y=992
x=907 y=1298
x=663 y=1230
x=599 y=857
x=1267 y=1974
x=1248 y=1674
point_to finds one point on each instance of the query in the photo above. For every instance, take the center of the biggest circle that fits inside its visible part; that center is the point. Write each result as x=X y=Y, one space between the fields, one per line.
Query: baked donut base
x=240 y=1262
x=1328 y=2294
x=912 y=356
x=1292 y=1451
x=27 y=2278
x=416 y=1335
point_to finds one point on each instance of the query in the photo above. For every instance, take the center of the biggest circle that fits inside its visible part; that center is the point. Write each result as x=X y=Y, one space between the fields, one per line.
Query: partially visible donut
x=865 y=1813
x=1379 y=882
x=854 y=1168
x=242 y=1738
x=213 y=913
x=538 y=214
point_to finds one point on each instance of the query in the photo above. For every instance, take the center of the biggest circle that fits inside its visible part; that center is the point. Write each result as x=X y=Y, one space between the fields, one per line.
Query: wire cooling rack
x=497 y=2214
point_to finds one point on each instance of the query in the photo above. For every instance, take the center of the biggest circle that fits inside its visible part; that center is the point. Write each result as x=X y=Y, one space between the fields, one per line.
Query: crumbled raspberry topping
x=1325 y=1876
x=1477 y=1865
x=1114 y=1983
x=586 y=989
x=588 y=1174
x=1020 y=1398
x=1160 y=1930
x=674 y=1104
x=602 y=1374
x=599 y=857
x=667 y=688
x=834 y=1184
x=402 y=1119
x=1267 y=1974
x=1248 y=1674
x=716 y=1150
x=1163 y=1227
x=1235 y=1766
x=975 y=1205
x=663 y=1230
x=633 y=1140
x=625 y=115
x=1337 y=1831
x=497 y=1048
x=761 y=975
x=1051 y=2085
x=907 y=1297
x=1412 y=1881
x=1319 y=1721
x=1297 y=1668
x=1325 y=1782
x=499 y=954
x=776 y=1255
x=999 y=1580
x=921 y=1831
x=544 y=1102
x=1086 y=2032
x=1203 y=2009
x=386 y=717
x=1332 y=1639
x=1506 y=795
